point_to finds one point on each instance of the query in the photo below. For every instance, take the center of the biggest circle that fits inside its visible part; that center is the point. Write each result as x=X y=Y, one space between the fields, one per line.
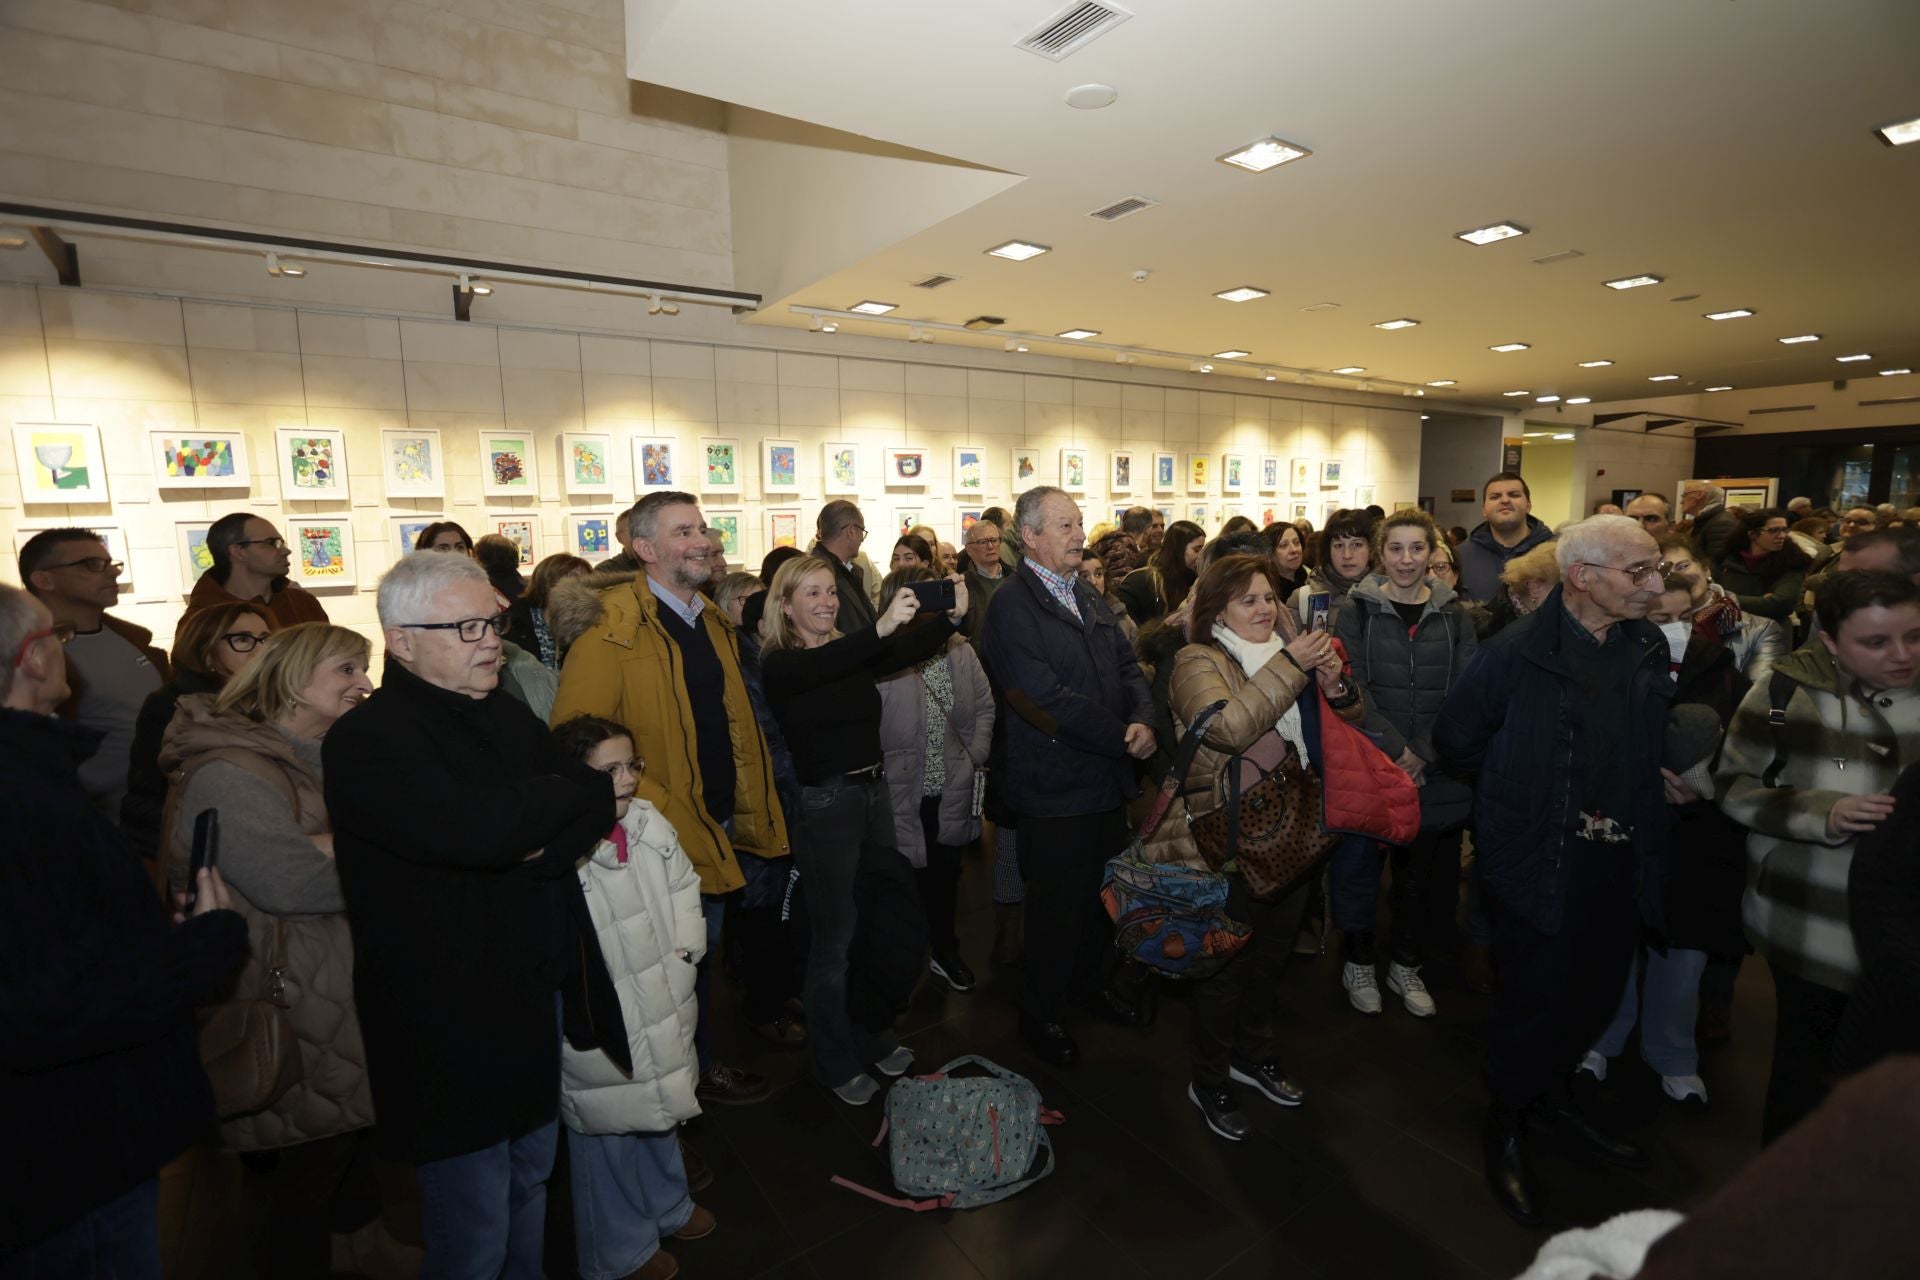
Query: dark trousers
x=299 y=1196
x=1233 y=1011
x=939 y=882
x=1355 y=889
x=768 y=975
x=1069 y=939
x=1559 y=991
x=1806 y=1021
x=839 y=817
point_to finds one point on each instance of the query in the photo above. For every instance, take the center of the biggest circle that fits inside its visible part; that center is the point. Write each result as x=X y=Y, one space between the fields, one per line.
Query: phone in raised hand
x=206 y=852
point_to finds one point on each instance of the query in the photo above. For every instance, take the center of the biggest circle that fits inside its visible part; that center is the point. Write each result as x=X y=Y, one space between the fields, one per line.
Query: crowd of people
x=482 y=896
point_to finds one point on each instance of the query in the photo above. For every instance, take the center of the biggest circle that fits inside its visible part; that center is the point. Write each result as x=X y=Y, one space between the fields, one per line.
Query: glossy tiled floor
x=1378 y=1175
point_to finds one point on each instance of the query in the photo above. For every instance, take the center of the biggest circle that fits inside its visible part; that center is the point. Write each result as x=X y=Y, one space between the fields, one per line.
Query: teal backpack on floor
x=961 y=1142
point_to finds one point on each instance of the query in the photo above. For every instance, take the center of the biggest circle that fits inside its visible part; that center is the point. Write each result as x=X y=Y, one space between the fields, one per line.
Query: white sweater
x=646 y=913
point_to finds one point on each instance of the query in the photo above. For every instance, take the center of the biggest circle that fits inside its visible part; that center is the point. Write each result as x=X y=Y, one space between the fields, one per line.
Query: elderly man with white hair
x=457 y=823
x=1562 y=715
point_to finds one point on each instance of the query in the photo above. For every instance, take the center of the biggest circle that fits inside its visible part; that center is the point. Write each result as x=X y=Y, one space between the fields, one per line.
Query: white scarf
x=1252 y=658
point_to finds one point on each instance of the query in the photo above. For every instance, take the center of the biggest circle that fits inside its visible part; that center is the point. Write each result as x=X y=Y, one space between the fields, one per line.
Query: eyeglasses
x=632 y=768
x=61 y=631
x=243 y=641
x=278 y=544
x=1442 y=566
x=859 y=529
x=1775 y=531
x=92 y=564
x=1634 y=572
x=984 y=542
x=471 y=629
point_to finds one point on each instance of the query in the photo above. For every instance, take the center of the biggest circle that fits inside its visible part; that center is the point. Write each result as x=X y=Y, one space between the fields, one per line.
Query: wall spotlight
x=1199 y=366
x=275 y=267
x=813 y=322
x=468 y=285
x=654 y=305
x=1270 y=375
x=1125 y=357
x=830 y=326
x=1014 y=344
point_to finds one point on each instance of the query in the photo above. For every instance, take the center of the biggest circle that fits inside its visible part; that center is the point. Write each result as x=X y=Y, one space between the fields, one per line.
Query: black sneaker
x=953 y=971
x=1270 y=1081
x=1217 y=1104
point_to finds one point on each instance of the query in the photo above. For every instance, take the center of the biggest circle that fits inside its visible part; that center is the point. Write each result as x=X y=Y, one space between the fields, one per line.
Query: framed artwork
x=60 y=462
x=906 y=464
x=586 y=462
x=719 y=465
x=406 y=530
x=1163 y=472
x=1302 y=473
x=1073 y=469
x=779 y=466
x=840 y=467
x=653 y=463
x=969 y=471
x=1407 y=506
x=1269 y=515
x=1269 y=473
x=1199 y=472
x=1233 y=473
x=783 y=527
x=1363 y=495
x=522 y=530
x=1120 y=510
x=725 y=521
x=1300 y=512
x=969 y=518
x=1198 y=514
x=1329 y=473
x=906 y=518
x=590 y=535
x=506 y=465
x=202 y=460
x=313 y=465
x=1025 y=470
x=1331 y=507
x=109 y=532
x=1426 y=505
x=322 y=552
x=1166 y=514
x=412 y=464
x=1120 y=471
x=190 y=537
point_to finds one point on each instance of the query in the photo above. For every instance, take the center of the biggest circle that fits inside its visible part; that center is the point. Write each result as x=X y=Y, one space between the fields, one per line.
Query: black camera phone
x=936 y=596
x=206 y=852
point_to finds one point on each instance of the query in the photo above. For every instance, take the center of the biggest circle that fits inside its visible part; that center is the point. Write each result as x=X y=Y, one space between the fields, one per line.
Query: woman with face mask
x=1346 y=554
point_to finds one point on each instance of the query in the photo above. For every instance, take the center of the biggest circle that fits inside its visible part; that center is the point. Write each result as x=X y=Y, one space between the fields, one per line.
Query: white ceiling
x=1726 y=145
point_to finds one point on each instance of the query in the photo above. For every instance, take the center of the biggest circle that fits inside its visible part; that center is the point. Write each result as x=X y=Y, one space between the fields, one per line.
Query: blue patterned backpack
x=958 y=1142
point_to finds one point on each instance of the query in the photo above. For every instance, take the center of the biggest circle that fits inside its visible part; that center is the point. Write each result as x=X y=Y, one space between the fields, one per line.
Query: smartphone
x=935 y=596
x=206 y=852
x=1319 y=610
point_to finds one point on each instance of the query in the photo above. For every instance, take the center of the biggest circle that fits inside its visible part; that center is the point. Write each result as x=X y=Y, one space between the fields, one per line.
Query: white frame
x=529 y=487
x=1271 y=464
x=1233 y=478
x=978 y=453
x=348 y=560
x=1363 y=495
x=1205 y=462
x=640 y=446
x=110 y=533
x=1032 y=456
x=242 y=477
x=830 y=484
x=767 y=487
x=1300 y=477
x=338 y=491
x=402 y=530
x=568 y=484
x=433 y=487
x=738 y=551
x=1171 y=469
x=1068 y=454
x=891 y=456
x=1117 y=483
x=768 y=515
x=529 y=549
x=707 y=483
x=1330 y=472
x=28 y=465
x=1329 y=508
x=189 y=570
x=575 y=519
x=1200 y=513
x=907 y=518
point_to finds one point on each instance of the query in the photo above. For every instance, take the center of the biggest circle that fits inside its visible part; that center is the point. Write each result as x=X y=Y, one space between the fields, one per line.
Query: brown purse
x=248 y=1046
x=1268 y=821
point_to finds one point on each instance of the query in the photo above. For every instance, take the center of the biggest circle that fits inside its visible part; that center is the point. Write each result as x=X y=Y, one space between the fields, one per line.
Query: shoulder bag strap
x=946 y=713
x=1779 y=693
x=1177 y=771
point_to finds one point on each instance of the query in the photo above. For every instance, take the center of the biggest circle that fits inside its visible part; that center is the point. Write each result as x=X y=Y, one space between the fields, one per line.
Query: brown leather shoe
x=699 y=1173
x=699 y=1226
x=731 y=1087
x=661 y=1266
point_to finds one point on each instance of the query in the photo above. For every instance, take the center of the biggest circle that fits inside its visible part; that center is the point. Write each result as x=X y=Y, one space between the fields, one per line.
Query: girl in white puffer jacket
x=629 y=1182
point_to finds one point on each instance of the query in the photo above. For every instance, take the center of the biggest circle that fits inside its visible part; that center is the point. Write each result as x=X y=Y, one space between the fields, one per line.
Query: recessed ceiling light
x=1893 y=373
x=1516 y=393
x=1401 y=323
x=1899 y=135
x=1801 y=337
x=1443 y=382
x=1350 y=368
x=1512 y=346
x=1738 y=313
x=1078 y=333
x=1268 y=153
x=872 y=308
x=1581 y=400
x=1858 y=355
x=1563 y=435
x=1664 y=377
x=1632 y=282
x=1727 y=387
x=1545 y=399
x=1489 y=235
x=1595 y=364
x=1244 y=293
x=1019 y=250
x=1425 y=416
x=1230 y=354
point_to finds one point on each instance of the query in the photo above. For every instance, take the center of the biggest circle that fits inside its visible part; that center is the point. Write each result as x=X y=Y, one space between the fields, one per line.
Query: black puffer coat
x=1406 y=677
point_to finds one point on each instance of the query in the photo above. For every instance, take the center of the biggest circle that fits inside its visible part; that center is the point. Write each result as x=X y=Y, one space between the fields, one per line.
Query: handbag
x=1267 y=824
x=979 y=802
x=248 y=1046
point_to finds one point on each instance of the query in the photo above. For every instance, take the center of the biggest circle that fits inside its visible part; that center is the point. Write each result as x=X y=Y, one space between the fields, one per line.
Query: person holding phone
x=1346 y=557
x=821 y=687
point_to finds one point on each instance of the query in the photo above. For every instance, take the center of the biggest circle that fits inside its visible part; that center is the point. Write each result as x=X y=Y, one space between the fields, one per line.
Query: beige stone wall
x=132 y=364
x=502 y=129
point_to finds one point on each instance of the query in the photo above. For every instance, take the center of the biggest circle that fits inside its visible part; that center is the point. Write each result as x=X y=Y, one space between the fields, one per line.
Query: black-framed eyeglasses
x=243 y=641
x=984 y=542
x=278 y=544
x=1442 y=566
x=471 y=629
x=1635 y=572
x=64 y=632
x=92 y=564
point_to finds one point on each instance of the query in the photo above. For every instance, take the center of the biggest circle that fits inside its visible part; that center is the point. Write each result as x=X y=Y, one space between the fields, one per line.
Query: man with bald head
x=1563 y=715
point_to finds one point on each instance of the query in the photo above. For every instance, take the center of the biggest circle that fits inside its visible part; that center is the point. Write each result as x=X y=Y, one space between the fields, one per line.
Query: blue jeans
x=1665 y=1009
x=118 y=1241
x=484 y=1213
x=629 y=1189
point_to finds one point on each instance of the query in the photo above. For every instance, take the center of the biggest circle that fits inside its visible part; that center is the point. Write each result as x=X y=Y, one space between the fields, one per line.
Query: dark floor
x=1377 y=1175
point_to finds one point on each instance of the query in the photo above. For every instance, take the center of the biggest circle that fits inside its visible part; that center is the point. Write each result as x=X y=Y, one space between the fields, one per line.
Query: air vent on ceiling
x=1565 y=255
x=1121 y=208
x=1322 y=306
x=933 y=282
x=1072 y=28
x=1868 y=404
x=1785 y=408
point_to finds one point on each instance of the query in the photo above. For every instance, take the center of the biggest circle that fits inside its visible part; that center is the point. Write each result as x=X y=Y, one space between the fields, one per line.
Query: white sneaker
x=897 y=1062
x=1691 y=1090
x=1363 y=986
x=857 y=1092
x=1594 y=1064
x=1404 y=981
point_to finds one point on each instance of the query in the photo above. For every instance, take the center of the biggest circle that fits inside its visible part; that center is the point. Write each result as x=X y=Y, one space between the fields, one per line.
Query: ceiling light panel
x=1801 y=337
x=1516 y=393
x=1664 y=377
x=1595 y=364
x=1724 y=387
x=1268 y=153
x=1443 y=382
x=1401 y=323
x=1019 y=250
x=1893 y=373
x=1546 y=399
x=1855 y=357
x=1632 y=282
x=871 y=308
x=1899 y=135
x=1078 y=333
x=1230 y=353
x=1505 y=347
x=1350 y=368
x=1243 y=293
x=1491 y=234
x=1581 y=400
x=1738 y=313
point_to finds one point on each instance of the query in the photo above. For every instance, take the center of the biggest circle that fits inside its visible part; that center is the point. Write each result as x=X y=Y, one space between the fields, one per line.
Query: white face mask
x=1676 y=634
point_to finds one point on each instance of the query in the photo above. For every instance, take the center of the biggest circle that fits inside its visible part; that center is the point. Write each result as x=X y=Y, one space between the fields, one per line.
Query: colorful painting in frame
x=720 y=465
x=840 y=467
x=586 y=459
x=1120 y=471
x=908 y=465
x=1269 y=473
x=507 y=468
x=590 y=535
x=969 y=518
x=1164 y=472
x=969 y=471
x=200 y=460
x=521 y=529
x=725 y=521
x=783 y=527
x=1198 y=513
x=1199 y=472
x=312 y=463
x=1363 y=495
x=1329 y=473
x=653 y=463
x=1302 y=474
x=1025 y=470
x=1233 y=473
x=779 y=467
x=190 y=537
x=322 y=553
x=59 y=462
x=406 y=531
x=412 y=464
x=1301 y=512
x=1073 y=469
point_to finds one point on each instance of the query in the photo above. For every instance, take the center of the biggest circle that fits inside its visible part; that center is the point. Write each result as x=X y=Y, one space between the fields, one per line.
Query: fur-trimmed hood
x=575 y=606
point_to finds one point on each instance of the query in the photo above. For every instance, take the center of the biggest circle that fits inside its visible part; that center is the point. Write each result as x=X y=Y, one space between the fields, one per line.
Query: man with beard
x=1509 y=530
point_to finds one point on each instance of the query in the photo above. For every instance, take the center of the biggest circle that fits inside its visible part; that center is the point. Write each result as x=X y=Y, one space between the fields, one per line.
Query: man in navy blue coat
x=1076 y=710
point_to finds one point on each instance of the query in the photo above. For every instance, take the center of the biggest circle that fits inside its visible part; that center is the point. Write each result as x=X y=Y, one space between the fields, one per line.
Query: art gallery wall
x=132 y=365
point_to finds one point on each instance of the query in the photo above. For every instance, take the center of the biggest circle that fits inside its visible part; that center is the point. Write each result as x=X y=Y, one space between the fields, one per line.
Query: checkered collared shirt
x=1061 y=588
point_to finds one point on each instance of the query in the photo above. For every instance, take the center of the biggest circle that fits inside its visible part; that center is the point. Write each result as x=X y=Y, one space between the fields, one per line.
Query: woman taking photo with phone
x=820 y=685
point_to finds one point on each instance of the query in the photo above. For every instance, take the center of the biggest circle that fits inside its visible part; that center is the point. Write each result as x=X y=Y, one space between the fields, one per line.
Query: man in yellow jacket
x=649 y=651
